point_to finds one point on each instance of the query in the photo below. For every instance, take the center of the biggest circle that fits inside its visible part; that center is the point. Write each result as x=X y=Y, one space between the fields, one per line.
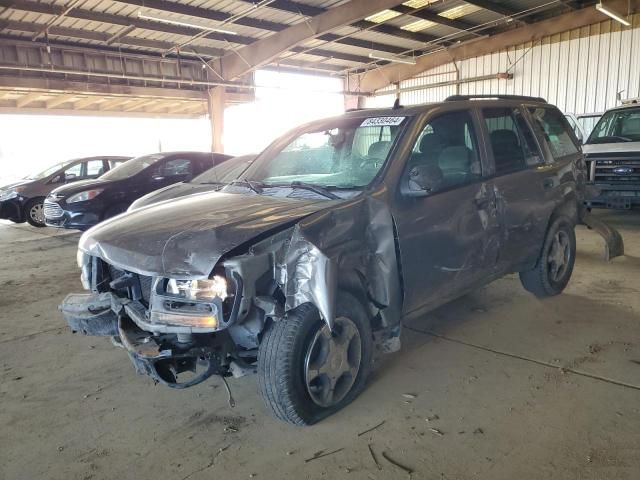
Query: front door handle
x=548 y=183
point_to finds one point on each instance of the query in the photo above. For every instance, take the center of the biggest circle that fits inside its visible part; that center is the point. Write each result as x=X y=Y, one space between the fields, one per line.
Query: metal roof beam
x=59 y=100
x=207 y=14
x=378 y=78
x=31 y=6
x=27 y=99
x=245 y=59
x=435 y=18
x=496 y=7
x=312 y=11
x=103 y=37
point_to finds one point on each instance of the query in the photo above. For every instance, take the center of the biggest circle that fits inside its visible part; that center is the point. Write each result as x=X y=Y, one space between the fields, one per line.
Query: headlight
x=9 y=194
x=199 y=289
x=84 y=196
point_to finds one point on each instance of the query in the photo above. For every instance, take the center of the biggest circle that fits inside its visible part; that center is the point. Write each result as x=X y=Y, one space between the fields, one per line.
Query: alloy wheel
x=559 y=256
x=36 y=213
x=332 y=362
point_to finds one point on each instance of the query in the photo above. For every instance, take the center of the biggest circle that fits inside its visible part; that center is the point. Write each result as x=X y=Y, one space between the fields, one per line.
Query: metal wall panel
x=580 y=71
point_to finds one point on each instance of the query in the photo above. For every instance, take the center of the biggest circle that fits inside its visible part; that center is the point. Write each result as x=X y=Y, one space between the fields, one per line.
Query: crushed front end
x=170 y=328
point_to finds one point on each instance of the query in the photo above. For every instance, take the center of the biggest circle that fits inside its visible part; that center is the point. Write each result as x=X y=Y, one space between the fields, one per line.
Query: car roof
x=624 y=107
x=458 y=100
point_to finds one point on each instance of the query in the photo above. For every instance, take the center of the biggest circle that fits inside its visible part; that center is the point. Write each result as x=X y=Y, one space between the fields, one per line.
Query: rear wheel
x=555 y=264
x=307 y=371
x=34 y=212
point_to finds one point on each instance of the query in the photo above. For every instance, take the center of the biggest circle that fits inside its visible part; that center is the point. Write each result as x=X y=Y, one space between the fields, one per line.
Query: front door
x=448 y=237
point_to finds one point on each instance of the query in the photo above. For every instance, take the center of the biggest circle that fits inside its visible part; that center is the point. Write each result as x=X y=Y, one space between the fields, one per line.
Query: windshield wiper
x=252 y=185
x=320 y=190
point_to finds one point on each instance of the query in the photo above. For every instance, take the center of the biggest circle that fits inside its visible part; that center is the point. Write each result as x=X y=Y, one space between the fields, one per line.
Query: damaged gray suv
x=305 y=266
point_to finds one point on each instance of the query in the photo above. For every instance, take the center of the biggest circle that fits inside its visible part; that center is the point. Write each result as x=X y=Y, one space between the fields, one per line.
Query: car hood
x=12 y=185
x=171 y=192
x=620 y=147
x=80 y=186
x=186 y=238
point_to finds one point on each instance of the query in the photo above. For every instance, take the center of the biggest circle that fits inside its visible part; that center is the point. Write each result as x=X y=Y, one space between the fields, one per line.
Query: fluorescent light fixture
x=392 y=58
x=418 y=3
x=184 y=24
x=418 y=25
x=459 y=11
x=382 y=16
x=612 y=14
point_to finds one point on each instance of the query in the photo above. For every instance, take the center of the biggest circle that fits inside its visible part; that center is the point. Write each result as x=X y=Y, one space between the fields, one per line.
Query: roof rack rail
x=630 y=101
x=457 y=98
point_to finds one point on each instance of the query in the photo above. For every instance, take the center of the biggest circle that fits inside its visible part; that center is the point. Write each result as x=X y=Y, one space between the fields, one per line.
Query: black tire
x=282 y=362
x=30 y=213
x=542 y=281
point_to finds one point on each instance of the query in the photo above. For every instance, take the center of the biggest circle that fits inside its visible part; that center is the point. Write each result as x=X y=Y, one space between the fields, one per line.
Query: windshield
x=617 y=126
x=132 y=167
x=338 y=153
x=49 y=171
x=225 y=172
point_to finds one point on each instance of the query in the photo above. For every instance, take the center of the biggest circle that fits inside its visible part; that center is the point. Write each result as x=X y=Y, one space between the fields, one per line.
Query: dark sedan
x=85 y=204
x=22 y=201
x=210 y=181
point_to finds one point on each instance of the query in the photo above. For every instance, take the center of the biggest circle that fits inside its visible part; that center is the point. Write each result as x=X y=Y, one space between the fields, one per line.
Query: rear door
x=521 y=178
x=448 y=237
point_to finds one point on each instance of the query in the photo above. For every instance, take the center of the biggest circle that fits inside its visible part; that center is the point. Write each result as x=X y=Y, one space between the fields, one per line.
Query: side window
x=115 y=163
x=177 y=167
x=446 y=154
x=95 y=168
x=555 y=130
x=512 y=142
x=73 y=172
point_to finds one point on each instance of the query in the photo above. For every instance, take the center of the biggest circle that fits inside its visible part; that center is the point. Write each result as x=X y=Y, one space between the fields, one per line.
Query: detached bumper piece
x=613 y=243
x=90 y=314
x=161 y=356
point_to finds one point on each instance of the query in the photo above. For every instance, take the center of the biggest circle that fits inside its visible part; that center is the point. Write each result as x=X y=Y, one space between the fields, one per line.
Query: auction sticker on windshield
x=382 y=121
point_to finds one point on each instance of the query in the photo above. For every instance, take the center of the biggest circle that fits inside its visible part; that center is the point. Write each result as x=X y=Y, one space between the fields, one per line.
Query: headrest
x=430 y=143
x=379 y=149
x=504 y=137
x=454 y=158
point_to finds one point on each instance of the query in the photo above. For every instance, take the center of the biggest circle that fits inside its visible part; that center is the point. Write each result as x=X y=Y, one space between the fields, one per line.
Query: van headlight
x=198 y=289
x=85 y=196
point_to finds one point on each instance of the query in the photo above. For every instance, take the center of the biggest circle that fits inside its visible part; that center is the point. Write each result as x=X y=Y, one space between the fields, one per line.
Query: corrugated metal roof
x=93 y=20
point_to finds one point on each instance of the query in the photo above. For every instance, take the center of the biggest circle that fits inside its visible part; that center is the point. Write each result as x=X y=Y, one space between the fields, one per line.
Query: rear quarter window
x=556 y=131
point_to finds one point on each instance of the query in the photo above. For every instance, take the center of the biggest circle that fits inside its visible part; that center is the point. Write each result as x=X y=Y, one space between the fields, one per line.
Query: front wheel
x=35 y=212
x=553 y=270
x=306 y=371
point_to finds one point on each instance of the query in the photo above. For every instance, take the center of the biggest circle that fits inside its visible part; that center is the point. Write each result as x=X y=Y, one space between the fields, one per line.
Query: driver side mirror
x=422 y=180
x=69 y=176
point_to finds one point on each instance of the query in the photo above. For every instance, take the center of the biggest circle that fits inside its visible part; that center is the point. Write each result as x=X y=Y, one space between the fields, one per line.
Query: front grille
x=145 y=283
x=621 y=169
x=145 y=287
x=52 y=210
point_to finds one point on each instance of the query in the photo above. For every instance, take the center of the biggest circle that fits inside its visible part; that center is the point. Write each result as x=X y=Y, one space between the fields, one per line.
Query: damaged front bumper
x=161 y=355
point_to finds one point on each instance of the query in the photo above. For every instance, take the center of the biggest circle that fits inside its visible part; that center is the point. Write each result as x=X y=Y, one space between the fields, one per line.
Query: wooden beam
x=243 y=60
x=59 y=100
x=25 y=100
x=375 y=79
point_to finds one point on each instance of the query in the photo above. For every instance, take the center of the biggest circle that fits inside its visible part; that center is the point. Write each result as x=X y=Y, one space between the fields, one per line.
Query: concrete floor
x=514 y=388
